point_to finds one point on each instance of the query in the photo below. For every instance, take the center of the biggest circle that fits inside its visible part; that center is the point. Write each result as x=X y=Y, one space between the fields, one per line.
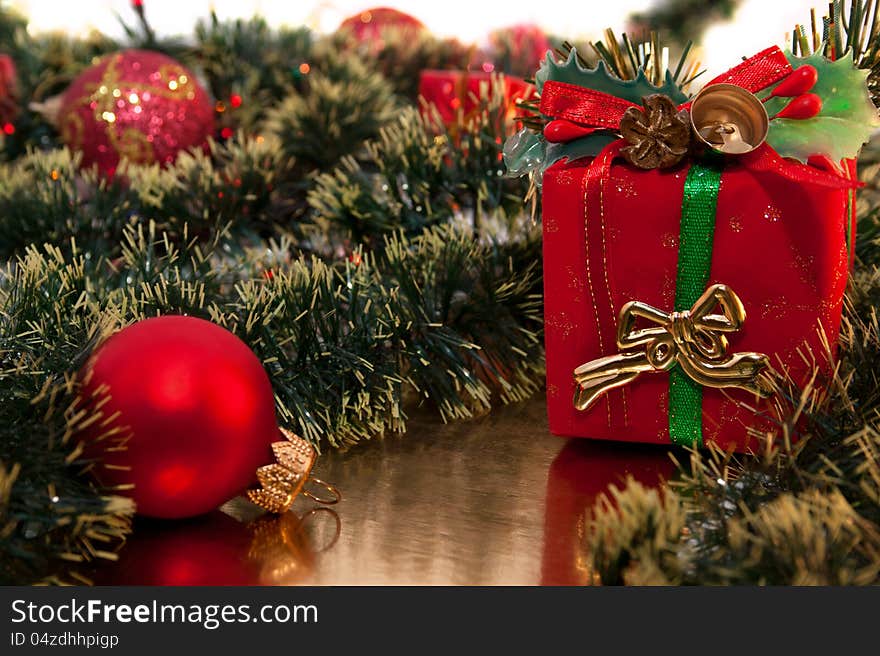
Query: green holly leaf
x=588 y=146
x=600 y=79
x=847 y=118
x=527 y=153
x=524 y=152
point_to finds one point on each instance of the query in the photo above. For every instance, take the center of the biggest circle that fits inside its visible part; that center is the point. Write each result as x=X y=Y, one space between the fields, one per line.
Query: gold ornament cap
x=729 y=119
x=282 y=482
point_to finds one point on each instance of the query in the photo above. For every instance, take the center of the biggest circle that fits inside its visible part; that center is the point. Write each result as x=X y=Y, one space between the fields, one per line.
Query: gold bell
x=729 y=119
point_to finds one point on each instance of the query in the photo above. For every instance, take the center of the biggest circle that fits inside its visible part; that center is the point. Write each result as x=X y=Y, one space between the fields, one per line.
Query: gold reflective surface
x=497 y=500
x=461 y=503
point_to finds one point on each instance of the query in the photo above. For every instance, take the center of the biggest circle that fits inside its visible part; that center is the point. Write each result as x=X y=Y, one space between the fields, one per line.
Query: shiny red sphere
x=194 y=408
x=136 y=104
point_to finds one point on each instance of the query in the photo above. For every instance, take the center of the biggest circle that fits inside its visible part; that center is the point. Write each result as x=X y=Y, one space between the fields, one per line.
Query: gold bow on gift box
x=694 y=339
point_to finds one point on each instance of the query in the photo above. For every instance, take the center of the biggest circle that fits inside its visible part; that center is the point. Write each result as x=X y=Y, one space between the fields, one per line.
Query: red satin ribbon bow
x=595 y=110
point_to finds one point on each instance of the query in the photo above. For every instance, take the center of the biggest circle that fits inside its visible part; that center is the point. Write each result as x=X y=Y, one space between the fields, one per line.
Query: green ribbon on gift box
x=696 y=235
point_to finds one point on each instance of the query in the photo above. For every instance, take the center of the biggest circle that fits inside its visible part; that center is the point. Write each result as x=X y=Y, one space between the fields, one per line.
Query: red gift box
x=452 y=92
x=680 y=301
x=780 y=244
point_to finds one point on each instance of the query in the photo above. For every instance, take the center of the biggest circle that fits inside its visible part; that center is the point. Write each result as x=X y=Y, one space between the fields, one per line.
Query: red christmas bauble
x=136 y=104
x=191 y=404
x=369 y=24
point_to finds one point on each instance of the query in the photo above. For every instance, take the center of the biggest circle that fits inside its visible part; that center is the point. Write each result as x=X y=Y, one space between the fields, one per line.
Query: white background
x=757 y=24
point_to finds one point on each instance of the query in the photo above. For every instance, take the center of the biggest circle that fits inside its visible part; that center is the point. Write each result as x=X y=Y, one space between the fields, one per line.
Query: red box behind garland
x=454 y=91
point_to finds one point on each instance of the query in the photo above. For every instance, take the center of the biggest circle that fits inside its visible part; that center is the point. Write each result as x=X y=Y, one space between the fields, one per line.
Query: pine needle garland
x=346 y=104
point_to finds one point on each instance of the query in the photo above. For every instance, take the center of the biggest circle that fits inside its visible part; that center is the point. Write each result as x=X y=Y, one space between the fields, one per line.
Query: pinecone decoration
x=659 y=135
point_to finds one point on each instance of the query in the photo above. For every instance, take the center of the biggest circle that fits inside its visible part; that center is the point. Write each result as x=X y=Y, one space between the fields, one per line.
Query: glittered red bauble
x=194 y=407
x=369 y=24
x=136 y=104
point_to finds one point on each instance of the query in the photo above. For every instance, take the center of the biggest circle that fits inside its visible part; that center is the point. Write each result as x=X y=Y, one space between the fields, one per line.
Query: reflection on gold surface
x=580 y=473
x=497 y=500
x=444 y=504
x=282 y=548
x=239 y=546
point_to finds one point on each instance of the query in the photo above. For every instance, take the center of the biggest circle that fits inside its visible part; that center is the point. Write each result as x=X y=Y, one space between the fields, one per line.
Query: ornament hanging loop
x=335 y=495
